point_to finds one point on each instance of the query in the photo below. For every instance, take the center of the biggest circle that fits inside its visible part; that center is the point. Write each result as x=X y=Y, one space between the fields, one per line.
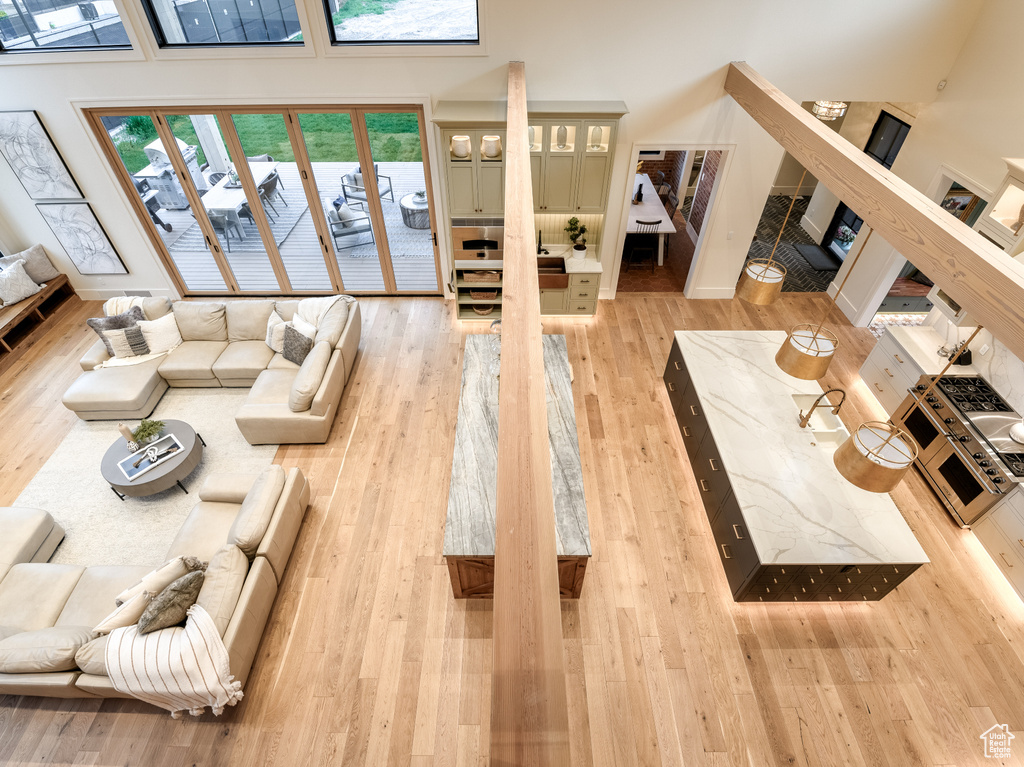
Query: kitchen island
x=786 y=524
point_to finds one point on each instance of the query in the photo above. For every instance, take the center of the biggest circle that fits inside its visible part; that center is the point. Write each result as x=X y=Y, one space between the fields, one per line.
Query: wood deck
x=369 y=660
x=412 y=252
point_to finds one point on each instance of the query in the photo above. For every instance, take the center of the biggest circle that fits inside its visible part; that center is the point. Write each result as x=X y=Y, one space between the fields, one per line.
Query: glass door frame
x=223 y=114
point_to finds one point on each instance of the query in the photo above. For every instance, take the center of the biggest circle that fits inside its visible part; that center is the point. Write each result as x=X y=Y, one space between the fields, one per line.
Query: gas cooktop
x=989 y=414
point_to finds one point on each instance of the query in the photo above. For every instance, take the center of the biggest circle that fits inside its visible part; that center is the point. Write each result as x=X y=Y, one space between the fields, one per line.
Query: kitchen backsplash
x=1000 y=367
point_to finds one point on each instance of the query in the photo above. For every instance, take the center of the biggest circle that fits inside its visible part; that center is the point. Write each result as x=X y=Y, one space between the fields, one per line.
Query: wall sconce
x=829 y=110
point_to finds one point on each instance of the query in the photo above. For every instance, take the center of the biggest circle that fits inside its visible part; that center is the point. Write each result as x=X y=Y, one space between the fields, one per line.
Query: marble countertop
x=588 y=265
x=922 y=343
x=797 y=507
x=470 y=525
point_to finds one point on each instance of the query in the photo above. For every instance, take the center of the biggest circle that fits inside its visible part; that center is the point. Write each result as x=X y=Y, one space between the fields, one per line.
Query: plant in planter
x=576 y=230
x=147 y=431
x=845 y=235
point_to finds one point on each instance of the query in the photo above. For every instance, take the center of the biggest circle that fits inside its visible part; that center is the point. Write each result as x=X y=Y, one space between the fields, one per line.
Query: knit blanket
x=183 y=668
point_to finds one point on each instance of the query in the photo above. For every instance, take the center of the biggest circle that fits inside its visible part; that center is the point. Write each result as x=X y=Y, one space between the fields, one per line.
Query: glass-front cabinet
x=1003 y=221
x=476 y=172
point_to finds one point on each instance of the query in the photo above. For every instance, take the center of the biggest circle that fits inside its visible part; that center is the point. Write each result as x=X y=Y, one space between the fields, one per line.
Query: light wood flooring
x=369 y=660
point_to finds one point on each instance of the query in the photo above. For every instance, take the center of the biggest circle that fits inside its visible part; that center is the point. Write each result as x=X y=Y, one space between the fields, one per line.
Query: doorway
x=280 y=201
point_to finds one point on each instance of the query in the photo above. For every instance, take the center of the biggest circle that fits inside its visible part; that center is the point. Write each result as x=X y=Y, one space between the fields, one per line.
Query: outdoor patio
x=291 y=222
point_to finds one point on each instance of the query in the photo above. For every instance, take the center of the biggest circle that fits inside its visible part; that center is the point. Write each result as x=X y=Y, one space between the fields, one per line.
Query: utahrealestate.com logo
x=997 y=741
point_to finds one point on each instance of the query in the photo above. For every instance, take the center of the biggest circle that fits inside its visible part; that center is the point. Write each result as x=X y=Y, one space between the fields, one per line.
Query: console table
x=469 y=530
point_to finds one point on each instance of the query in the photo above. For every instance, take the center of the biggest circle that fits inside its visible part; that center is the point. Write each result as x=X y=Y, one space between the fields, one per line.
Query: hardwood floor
x=369 y=660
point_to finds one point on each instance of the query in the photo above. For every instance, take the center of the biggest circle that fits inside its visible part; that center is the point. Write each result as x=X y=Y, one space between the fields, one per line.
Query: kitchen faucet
x=541 y=248
x=805 y=419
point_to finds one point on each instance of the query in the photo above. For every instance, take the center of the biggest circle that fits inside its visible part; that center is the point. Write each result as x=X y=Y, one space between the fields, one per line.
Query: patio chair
x=268 y=189
x=215 y=177
x=352 y=185
x=349 y=232
x=643 y=244
x=223 y=225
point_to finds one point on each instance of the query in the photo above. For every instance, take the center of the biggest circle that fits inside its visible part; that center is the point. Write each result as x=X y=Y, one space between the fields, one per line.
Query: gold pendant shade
x=876 y=456
x=807 y=352
x=761 y=281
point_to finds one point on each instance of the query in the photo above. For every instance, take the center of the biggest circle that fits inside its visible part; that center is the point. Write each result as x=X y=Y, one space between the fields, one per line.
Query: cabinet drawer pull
x=725 y=551
x=671 y=386
x=584 y=282
x=686 y=433
x=703 y=486
x=888 y=373
x=712 y=462
x=736 y=532
x=677 y=366
x=693 y=410
x=898 y=358
x=879 y=387
x=1007 y=561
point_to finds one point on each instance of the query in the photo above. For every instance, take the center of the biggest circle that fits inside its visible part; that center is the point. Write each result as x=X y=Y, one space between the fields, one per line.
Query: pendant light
x=878 y=454
x=761 y=280
x=829 y=110
x=808 y=349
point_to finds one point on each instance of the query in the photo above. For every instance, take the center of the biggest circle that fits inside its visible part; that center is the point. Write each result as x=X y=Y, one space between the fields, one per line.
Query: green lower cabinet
x=553 y=301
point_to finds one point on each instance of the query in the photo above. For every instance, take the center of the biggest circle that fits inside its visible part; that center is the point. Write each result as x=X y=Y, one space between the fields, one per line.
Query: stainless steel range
x=962 y=430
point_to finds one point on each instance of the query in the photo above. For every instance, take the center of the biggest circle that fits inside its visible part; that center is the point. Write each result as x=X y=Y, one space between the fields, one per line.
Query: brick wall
x=702 y=196
x=671 y=166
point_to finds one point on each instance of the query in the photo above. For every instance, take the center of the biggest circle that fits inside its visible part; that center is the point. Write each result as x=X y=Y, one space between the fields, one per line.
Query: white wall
x=599 y=49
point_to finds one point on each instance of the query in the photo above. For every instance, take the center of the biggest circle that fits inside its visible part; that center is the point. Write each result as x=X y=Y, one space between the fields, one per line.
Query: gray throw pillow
x=15 y=284
x=37 y=264
x=296 y=345
x=170 y=606
x=117 y=322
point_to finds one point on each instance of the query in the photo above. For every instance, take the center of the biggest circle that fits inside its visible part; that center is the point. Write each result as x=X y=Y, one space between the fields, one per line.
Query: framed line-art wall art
x=82 y=236
x=27 y=147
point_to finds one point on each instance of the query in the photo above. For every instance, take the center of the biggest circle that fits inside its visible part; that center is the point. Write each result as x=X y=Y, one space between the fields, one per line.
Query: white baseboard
x=699 y=293
x=808 y=226
x=96 y=294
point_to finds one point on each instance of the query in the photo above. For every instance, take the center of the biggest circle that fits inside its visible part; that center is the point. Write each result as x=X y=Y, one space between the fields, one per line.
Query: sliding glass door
x=271 y=201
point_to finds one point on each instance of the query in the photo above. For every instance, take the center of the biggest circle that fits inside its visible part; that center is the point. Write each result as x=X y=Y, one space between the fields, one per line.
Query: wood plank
x=529 y=710
x=975 y=273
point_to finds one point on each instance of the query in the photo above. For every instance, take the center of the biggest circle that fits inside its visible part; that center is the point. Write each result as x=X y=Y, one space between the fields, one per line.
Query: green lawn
x=394 y=137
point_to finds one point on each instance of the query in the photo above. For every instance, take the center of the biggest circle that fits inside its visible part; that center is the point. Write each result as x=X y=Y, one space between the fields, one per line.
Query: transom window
x=403 y=22
x=184 y=23
x=60 y=25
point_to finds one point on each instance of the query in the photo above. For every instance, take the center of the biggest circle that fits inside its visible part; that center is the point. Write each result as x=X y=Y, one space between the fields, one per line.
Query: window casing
x=374 y=22
x=33 y=26
x=226 y=23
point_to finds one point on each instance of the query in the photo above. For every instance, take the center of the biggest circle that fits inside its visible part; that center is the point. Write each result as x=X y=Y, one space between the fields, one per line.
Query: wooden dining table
x=651 y=209
x=226 y=199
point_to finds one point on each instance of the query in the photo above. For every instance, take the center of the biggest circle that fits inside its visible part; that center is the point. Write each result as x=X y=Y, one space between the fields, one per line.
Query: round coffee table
x=160 y=477
x=415 y=213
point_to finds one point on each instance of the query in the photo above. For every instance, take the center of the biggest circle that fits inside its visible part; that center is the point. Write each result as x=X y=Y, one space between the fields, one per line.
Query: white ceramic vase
x=579 y=252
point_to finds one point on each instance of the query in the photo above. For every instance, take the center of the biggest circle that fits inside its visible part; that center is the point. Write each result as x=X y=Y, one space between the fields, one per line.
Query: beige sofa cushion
x=280 y=363
x=192 y=361
x=204 y=530
x=47 y=649
x=117 y=388
x=243 y=361
x=95 y=593
x=32 y=595
x=227 y=488
x=273 y=387
x=307 y=380
x=287 y=309
x=223 y=583
x=125 y=614
x=257 y=509
x=22 y=532
x=333 y=323
x=201 y=320
x=247 y=320
x=90 y=658
x=155 y=307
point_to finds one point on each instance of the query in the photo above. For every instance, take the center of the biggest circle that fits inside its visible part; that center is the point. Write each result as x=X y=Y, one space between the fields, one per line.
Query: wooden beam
x=975 y=273
x=529 y=714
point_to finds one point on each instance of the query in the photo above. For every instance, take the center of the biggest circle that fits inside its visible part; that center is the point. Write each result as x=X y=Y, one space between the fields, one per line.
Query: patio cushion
x=192 y=361
x=247 y=320
x=347 y=216
x=201 y=320
x=242 y=362
x=33 y=594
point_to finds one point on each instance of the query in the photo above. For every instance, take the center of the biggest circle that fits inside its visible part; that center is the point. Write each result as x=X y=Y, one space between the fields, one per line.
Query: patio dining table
x=226 y=199
x=651 y=209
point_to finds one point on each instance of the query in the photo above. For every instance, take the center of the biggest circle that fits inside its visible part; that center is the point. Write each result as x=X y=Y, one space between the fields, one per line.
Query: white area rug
x=102 y=530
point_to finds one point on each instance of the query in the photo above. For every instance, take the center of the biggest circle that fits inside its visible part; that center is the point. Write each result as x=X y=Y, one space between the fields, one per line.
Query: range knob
x=998 y=480
x=920 y=387
x=964 y=438
x=931 y=398
x=990 y=472
x=978 y=456
x=986 y=463
x=949 y=420
x=937 y=405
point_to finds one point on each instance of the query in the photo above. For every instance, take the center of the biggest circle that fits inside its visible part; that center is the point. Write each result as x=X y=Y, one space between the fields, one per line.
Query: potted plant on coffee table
x=576 y=230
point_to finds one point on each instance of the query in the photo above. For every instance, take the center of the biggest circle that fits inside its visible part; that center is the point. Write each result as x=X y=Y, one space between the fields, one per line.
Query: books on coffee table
x=150 y=456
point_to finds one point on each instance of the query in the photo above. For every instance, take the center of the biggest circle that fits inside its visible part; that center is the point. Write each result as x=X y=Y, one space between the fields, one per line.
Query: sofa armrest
x=331 y=386
x=96 y=355
x=349 y=341
x=249 y=620
x=227 y=488
x=279 y=538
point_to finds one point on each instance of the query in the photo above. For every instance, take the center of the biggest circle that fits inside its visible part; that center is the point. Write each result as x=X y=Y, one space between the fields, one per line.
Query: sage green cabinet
x=552 y=301
x=476 y=179
x=553 y=160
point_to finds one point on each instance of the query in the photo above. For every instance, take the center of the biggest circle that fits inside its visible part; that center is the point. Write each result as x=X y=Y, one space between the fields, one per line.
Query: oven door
x=921 y=423
x=967 y=492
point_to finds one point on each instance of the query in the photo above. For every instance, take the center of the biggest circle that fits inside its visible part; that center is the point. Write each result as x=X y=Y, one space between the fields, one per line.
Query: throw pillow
x=117 y=322
x=296 y=345
x=159 y=579
x=201 y=320
x=333 y=324
x=170 y=606
x=161 y=334
x=358 y=178
x=347 y=216
x=275 y=332
x=257 y=510
x=90 y=658
x=308 y=379
x=222 y=584
x=37 y=264
x=15 y=284
x=128 y=342
x=43 y=650
x=125 y=614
